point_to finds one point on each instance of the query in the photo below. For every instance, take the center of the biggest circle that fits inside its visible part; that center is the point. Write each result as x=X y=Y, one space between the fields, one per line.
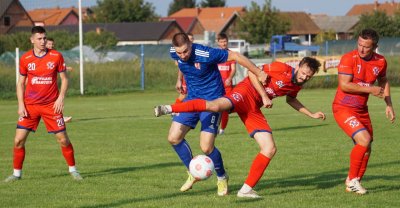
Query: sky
x=329 y=7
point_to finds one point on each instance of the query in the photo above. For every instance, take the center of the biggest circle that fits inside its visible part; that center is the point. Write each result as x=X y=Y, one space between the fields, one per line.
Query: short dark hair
x=50 y=39
x=222 y=36
x=371 y=34
x=189 y=34
x=180 y=39
x=313 y=63
x=38 y=29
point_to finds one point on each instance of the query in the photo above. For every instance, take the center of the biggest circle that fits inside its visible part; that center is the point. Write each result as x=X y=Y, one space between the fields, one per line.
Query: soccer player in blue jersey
x=198 y=64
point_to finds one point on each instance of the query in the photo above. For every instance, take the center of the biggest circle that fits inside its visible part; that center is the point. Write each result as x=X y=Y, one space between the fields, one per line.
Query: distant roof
x=212 y=19
x=51 y=16
x=389 y=8
x=186 y=23
x=301 y=23
x=123 y=31
x=339 y=24
x=4 y=6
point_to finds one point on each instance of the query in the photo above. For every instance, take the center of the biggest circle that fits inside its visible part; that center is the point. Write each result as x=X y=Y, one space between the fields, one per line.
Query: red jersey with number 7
x=363 y=73
x=41 y=74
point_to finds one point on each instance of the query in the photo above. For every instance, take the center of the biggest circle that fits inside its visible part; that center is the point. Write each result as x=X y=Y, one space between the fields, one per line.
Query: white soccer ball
x=201 y=167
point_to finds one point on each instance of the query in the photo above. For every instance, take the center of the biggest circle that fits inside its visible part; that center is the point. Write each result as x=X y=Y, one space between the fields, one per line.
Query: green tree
x=378 y=21
x=324 y=36
x=123 y=11
x=177 y=5
x=212 y=3
x=260 y=23
x=63 y=39
x=104 y=40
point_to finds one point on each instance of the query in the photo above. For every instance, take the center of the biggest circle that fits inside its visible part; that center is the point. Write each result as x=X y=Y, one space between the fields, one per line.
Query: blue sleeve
x=218 y=55
x=173 y=53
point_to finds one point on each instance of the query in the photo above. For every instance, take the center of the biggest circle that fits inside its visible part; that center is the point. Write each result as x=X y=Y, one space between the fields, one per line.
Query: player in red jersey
x=247 y=98
x=227 y=71
x=41 y=99
x=357 y=72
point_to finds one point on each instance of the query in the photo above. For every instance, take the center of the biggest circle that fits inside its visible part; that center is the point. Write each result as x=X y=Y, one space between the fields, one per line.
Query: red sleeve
x=346 y=65
x=22 y=67
x=382 y=73
x=61 y=65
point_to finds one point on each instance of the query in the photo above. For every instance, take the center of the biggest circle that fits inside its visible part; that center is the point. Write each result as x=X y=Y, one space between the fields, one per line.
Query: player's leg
x=209 y=128
x=365 y=119
x=19 y=154
x=68 y=152
x=225 y=114
x=180 y=126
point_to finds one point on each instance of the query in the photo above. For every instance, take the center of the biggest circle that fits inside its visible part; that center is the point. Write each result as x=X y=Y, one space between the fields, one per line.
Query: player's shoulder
x=29 y=54
x=281 y=65
x=379 y=58
x=53 y=52
x=351 y=55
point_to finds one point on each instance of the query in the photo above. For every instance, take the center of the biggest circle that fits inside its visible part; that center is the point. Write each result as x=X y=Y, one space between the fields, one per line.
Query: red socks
x=356 y=160
x=260 y=163
x=19 y=156
x=224 y=119
x=197 y=105
x=363 y=166
x=68 y=153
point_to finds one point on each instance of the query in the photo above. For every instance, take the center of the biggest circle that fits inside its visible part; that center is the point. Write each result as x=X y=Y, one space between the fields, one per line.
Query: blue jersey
x=201 y=72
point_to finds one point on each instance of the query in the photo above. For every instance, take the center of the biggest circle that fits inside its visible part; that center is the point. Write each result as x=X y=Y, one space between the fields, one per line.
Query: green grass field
x=122 y=152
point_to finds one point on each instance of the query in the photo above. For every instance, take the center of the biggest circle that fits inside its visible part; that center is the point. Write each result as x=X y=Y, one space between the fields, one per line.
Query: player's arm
x=59 y=104
x=245 y=62
x=228 y=81
x=20 y=96
x=178 y=85
x=267 y=103
x=384 y=83
x=346 y=85
x=297 y=105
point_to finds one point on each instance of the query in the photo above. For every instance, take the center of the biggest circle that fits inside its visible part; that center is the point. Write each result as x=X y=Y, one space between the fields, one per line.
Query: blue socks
x=184 y=152
x=216 y=157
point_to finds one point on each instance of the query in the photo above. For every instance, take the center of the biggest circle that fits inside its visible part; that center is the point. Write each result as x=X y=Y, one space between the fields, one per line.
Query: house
x=189 y=25
x=342 y=26
x=302 y=27
x=389 y=8
x=126 y=33
x=12 y=13
x=214 y=19
x=54 y=16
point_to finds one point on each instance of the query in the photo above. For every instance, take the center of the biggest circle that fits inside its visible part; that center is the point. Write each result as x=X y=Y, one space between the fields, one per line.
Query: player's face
x=50 y=44
x=365 y=48
x=303 y=74
x=39 y=41
x=223 y=43
x=184 y=51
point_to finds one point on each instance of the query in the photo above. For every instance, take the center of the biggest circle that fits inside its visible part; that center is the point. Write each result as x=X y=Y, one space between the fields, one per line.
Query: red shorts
x=246 y=105
x=352 y=120
x=54 y=121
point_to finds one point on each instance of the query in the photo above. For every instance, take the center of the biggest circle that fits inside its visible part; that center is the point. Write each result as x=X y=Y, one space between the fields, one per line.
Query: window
x=7 y=21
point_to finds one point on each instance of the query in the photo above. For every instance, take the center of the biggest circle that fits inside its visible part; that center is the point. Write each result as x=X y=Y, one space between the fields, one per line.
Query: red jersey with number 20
x=364 y=73
x=41 y=74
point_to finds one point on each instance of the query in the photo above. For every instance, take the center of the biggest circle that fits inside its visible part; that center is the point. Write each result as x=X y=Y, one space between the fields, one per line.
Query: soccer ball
x=201 y=167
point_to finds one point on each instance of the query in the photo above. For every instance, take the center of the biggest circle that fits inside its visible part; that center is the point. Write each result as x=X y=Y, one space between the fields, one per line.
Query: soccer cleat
x=250 y=194
x=223 y=186
x=67 y=119
x=160 y=110
x=189 y=183
x=12 y=178
x=221 y=131
x=354 y=185
x=76 y=176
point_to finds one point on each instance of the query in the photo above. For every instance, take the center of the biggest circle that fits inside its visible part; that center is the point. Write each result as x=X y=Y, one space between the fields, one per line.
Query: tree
x=324 y=36
x=177 y=5
x=212 y=3
x=378 y=21
x=259 y=24
x=104 y=40
x=123 y=11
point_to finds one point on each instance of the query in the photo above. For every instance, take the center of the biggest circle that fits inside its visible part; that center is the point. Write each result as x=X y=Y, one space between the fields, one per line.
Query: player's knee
x=207 y=150
x=269 y=151
x=174 y=140
x=19 y=142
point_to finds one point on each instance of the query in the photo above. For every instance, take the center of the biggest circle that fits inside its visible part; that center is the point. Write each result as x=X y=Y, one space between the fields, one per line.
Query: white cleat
x=251 y=194
x=221 y=131
x=354 y=185
x=67 y=119
x=160 y=110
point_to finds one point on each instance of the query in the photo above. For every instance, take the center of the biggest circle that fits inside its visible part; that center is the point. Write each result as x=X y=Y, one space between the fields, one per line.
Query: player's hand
x=22 y=111
x=262 y=77
x=377 y=91
x=228 y=82
x=59 y=105
x=318 y=115
x=267 y=103
x=178 y=86
x=390 y=114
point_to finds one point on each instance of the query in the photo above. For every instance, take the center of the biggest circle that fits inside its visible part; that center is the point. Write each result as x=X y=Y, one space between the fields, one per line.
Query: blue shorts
x=209 y=121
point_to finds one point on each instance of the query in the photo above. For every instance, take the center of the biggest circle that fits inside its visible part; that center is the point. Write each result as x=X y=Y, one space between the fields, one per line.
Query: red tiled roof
x=52 y=16
x=300 y=23
x=388 y=7
x=186 y=23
